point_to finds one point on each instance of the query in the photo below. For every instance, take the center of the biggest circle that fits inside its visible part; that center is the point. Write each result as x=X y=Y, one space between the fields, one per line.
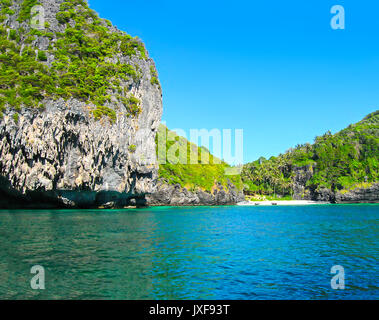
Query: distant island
x=80 y=110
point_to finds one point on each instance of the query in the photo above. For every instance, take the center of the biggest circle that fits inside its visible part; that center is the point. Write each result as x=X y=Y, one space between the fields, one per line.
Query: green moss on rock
x=103 y=111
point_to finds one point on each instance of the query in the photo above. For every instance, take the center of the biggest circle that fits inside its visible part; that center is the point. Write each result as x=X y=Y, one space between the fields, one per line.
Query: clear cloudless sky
x=275 y=69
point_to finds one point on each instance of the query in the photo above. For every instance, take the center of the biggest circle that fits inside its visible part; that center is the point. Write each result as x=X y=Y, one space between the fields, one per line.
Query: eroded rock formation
x=62 y=156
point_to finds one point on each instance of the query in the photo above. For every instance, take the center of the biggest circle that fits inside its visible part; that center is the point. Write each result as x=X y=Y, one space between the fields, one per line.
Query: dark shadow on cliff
x=66 y=199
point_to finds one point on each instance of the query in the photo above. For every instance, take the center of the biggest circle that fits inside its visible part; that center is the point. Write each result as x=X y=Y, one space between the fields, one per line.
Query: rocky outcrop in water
x=175 y=195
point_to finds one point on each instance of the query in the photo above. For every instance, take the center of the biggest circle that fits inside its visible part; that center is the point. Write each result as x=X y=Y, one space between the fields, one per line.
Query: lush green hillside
x=340 y=161
x=191 y=176
x=79 y=62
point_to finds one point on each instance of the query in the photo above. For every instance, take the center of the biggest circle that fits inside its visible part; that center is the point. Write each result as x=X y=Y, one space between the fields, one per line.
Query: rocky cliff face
x=362 y=195
x=301 y=176
x=73 y=152
x=175 y=195
x=303 y=192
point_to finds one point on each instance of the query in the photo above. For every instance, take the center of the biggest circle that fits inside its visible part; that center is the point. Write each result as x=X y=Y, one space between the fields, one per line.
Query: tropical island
x=80 y=110
x=121 y=177
x=337 y=168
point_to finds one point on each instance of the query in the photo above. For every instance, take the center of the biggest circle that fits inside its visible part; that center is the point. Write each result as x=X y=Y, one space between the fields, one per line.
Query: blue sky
x=275 y=69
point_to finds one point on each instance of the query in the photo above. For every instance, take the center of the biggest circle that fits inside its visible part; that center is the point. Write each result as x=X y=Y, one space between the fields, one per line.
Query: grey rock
x=302 y=175
x=367 y=195
x=323 y=194
x=175 y=195
x=303 y=192
x=63 y=157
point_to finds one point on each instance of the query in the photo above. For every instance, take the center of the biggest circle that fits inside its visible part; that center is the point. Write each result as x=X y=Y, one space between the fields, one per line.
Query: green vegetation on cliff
x=336 y=162
x=191 y=176
x=80 y=63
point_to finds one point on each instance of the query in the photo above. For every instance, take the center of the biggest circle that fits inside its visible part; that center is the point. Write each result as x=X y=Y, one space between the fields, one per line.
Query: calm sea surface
x=191 y=253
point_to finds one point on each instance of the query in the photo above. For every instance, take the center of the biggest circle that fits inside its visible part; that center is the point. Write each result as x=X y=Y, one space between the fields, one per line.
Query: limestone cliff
x=369 y=194
x=175 y=195
x=85 y=137
x=299 y=181
x=362 y=193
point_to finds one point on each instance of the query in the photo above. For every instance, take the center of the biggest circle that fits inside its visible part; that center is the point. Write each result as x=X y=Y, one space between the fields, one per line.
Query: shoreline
x=240 y=204
x=282 y=203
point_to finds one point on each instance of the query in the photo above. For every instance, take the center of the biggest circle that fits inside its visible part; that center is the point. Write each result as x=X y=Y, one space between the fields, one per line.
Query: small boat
x=274 y=203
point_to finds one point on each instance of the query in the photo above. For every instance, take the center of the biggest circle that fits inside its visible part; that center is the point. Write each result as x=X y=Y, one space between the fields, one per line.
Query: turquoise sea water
x=191 y=253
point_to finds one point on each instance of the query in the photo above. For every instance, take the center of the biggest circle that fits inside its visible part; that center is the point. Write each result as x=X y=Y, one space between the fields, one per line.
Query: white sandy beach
x=280 y=203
